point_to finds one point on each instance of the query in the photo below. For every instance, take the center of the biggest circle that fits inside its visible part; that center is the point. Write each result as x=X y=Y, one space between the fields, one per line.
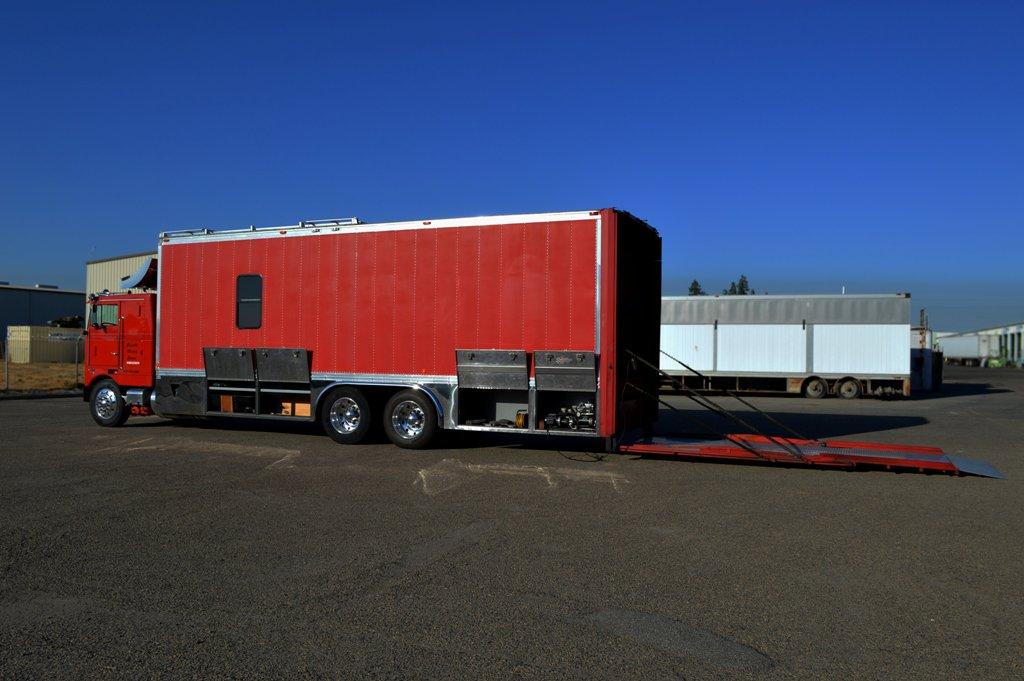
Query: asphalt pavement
x=226 y=549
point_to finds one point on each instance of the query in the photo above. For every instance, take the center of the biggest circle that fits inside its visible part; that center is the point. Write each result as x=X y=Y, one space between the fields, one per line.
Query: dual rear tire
x=409 y=417
x=816 y=388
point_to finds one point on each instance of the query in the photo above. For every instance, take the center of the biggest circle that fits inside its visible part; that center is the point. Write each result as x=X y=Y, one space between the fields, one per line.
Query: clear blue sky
x=807 y=145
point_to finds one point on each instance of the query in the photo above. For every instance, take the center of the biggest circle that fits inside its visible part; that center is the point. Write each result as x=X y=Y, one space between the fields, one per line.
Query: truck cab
x=119 y=355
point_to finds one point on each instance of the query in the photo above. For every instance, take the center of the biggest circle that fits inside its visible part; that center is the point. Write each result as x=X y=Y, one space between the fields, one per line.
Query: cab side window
x=104 y=314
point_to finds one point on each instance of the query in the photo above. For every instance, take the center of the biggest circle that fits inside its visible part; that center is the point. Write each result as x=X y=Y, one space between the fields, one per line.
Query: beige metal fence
x=42 y=358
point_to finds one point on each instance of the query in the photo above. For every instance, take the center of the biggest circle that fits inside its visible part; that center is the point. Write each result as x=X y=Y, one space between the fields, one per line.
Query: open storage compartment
x=284 y=381
x=230 y=380
x=260 y=382
x=566 y=382
x=494 y=408
x=494 y=389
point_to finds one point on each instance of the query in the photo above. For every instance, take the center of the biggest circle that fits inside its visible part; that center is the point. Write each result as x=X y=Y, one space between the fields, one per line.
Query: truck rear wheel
x=346 y=415
x=107 y=405
x=815 y=388
x=849 y=389
x=410 y=419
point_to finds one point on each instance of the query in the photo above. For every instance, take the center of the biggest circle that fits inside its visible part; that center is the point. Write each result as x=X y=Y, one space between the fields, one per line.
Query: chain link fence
x=42 y=359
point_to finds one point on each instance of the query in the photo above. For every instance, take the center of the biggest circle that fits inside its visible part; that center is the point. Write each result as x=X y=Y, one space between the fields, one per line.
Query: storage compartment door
x=565 y=370
x=229 y=364
x=492 y=369
x=282 y=365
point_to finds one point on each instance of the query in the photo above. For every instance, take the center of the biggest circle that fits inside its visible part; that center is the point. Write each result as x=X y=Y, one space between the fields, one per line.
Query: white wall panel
x=861 y=349
x=692 y=343
x=764 y=348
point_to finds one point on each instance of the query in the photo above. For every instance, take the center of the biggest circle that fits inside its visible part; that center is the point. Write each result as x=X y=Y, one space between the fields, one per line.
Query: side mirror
x=92 y=315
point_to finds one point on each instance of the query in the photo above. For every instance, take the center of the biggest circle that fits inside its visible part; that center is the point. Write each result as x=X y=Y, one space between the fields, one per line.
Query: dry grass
x=40 y=376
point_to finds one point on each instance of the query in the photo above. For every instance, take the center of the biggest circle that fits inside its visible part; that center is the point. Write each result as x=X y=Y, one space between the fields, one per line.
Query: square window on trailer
x=249 y=301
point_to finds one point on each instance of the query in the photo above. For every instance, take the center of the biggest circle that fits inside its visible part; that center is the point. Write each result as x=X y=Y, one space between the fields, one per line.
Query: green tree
x=696 y=289
x=739 y=288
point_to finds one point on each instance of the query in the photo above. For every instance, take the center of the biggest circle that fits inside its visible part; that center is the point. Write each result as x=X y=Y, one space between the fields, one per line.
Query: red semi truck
x=505 y=323
x=543 y=323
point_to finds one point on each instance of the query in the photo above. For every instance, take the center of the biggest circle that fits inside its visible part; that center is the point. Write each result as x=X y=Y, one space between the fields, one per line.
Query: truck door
x=104 y=339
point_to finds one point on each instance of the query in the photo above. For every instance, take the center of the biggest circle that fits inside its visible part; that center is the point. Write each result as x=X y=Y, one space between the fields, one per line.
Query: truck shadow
x=230 y=423
x=810 y=425
x=445 y=439
x=958 y=390
x=686 y=422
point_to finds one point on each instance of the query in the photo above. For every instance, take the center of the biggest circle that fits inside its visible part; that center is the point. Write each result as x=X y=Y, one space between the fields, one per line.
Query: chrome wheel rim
x=408 y=419
x=346 y=415
x=848 y=389
x=816 y=388
x=106 y=403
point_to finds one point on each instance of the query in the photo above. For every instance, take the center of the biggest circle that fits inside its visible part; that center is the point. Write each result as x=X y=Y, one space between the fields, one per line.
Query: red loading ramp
x=823 y=453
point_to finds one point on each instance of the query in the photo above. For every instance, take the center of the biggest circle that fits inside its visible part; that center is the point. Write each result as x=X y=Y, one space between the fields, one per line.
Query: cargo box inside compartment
x=493 y=408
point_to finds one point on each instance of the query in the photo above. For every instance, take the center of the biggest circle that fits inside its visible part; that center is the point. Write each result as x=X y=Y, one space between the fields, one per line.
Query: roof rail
x=331 y=222
x=185 y=232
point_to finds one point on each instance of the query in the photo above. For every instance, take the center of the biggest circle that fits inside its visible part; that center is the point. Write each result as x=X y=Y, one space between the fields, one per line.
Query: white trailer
x=815 y=345
x=969 y=349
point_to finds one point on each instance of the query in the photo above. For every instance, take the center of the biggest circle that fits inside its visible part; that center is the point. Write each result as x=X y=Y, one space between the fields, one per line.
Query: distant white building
x=1005 y=343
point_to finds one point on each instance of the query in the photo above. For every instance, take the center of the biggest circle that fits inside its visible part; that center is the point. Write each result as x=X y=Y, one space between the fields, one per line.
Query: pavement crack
x=679 y=639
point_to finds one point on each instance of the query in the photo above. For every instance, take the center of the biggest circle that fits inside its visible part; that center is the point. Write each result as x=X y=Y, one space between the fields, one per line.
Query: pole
x=7 y=360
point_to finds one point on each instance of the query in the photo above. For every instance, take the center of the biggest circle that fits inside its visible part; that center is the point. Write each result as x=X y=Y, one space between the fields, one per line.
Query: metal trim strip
x=369 y=379
x=383 y=379
x=299 y=230
x=159 y=303
x=180 y=372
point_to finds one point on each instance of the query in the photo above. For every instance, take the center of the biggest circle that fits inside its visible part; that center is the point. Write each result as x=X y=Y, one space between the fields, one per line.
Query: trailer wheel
x=815 y=388
x=107 y=405
x=849 y=389
x=346 y=415
x=410 y=419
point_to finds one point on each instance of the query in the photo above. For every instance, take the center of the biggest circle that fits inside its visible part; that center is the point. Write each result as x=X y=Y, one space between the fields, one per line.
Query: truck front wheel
x=346 y=415
x=410 y=419
x=107 y=405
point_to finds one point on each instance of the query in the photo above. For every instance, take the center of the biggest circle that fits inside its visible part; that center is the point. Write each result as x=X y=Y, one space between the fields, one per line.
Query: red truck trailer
x=486 y=323
x=543 y=323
